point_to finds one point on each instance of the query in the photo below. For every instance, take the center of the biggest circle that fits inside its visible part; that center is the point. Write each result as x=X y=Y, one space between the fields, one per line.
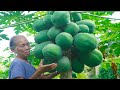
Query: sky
x=116 y=15
x=11 y=33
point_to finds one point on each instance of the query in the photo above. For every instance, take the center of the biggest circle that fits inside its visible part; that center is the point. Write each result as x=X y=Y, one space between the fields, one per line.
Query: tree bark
x=66 y=75
x=92 y=73
x=118 y=76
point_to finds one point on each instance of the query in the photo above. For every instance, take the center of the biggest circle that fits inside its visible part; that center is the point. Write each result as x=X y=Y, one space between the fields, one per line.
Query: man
x=20 y=67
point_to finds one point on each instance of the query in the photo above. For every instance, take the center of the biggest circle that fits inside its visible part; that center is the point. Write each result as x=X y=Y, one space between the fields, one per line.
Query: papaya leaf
x=19 y=28
x=104 y=65
x=117 y=51
x=117 y=60
x=4 y=36
x=1 y=31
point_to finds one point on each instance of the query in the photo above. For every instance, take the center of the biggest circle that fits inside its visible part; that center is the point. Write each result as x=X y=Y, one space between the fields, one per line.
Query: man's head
x=20 y=45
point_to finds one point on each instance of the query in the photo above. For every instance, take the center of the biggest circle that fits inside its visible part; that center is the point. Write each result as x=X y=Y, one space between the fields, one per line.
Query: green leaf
x=1 y=31
x=19 y=28
x=117 y=60
x=103 y=48
x=105 y=65
x=4 y=36
x=114 y=45
x=117 y=51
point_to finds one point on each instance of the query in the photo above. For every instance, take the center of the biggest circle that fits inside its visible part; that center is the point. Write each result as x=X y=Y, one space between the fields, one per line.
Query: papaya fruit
x=64 y=40
x=60 y=18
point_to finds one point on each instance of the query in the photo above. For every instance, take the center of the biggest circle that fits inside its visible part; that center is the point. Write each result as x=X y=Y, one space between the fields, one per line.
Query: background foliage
x=106 y=32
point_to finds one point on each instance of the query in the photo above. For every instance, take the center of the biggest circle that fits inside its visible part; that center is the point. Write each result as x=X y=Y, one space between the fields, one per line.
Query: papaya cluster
x=65 y=38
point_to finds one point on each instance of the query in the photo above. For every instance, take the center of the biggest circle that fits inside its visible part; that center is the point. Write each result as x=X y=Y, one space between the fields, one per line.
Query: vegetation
x=106 y=33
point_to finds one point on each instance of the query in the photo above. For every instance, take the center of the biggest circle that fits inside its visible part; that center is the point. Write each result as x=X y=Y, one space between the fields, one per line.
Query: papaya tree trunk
x=66 y=75
x=118 y=76
x=92 y=73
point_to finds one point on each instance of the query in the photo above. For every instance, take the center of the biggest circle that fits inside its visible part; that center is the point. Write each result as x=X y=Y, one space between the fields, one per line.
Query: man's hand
x=44 y=68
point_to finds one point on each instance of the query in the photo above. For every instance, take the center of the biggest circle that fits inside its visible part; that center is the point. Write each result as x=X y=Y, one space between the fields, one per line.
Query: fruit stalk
x=68 y=74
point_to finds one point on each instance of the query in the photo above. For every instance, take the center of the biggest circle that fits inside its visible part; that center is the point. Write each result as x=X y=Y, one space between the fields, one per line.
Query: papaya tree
x=100 y=29
x=72 y=44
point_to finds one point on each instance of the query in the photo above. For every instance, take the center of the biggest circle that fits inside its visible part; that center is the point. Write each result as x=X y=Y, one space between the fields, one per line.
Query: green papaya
x=83 y=28
x=64 y=40
x=53 y=32
x=38 y=49
x=41 y=37
x=52 y=52
x=89 y=23
x=47 y=21
x=39 y=25
x=94 y=58
x=77 y=66
x=63 y=64
x=71 y=28
x=60 y=18
x=76 y=16
x=85 y=42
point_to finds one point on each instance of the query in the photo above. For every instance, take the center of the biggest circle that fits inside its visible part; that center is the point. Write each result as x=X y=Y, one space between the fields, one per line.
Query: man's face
x=22 y=46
